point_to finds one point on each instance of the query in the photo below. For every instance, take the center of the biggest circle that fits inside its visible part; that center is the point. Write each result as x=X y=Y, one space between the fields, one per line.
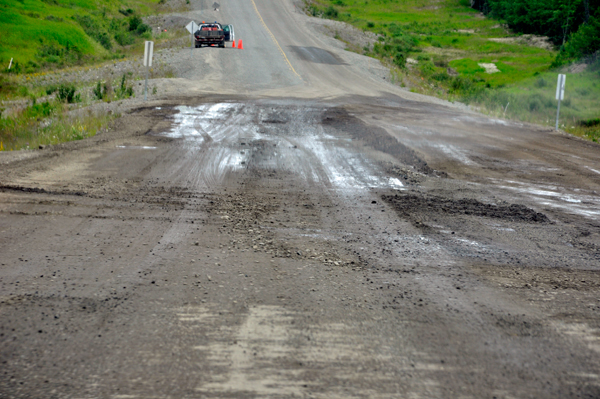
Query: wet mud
x=277 y=249
x=374 y=137
x=415 y=207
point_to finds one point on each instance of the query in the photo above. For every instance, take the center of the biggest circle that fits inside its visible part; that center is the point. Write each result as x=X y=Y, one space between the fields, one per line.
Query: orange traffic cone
x=233 y=45
x=241 y=45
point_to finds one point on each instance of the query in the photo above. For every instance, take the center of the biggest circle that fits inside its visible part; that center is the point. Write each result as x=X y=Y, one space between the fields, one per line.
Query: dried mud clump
x=407 y=205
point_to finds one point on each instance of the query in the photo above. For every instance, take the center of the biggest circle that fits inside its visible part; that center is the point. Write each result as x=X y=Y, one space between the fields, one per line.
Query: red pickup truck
x=210 y=34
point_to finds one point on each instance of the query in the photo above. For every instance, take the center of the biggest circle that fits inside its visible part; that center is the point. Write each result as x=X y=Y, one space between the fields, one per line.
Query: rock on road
x=285 y=223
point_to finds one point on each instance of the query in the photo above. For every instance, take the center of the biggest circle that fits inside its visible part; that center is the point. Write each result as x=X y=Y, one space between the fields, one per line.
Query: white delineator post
x=10 y=64
x=560 y=94
x=148 y=50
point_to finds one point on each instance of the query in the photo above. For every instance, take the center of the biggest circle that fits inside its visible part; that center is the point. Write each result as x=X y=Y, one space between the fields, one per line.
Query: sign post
x=192 y=27
x=560 y=94
x=148 y=50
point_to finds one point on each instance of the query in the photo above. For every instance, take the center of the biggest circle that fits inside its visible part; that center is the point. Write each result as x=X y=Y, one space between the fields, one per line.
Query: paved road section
x=265 y=233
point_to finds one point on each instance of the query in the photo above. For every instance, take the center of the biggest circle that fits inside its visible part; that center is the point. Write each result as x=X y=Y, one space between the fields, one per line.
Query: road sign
x=148 y=50
x=560 y=87
x=192 y=27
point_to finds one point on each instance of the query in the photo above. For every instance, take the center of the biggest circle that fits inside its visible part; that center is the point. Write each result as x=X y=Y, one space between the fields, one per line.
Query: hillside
x=46 y=34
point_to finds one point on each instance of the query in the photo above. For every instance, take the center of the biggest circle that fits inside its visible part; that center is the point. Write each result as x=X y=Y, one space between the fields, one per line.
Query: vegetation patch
x=442 y=48
x=45 y=123
x=48 y=34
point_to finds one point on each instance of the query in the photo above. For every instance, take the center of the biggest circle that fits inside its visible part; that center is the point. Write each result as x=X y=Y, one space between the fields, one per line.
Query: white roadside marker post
x=560 y=94
x=148 y=50
x=192 y=27
x=10 y=64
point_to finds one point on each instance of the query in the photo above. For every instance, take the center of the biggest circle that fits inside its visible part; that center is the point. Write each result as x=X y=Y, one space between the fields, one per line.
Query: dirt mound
x=408 y=204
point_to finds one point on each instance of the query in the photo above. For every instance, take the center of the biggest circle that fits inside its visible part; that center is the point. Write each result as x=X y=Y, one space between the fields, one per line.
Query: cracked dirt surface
x=317 y=239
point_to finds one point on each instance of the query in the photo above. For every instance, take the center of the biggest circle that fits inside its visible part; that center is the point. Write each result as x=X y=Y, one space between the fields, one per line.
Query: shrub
x=426 y=68
x=97 y=91
x=331 y=12
x=124 y=91
x=53 y=18
x=134 y=22
x=124 y=38
x=400 y=60
x=143 y=28
x=441 y=76
x=66 y=93
x=535 y=105
x=589 y=122
x=51 y=89
x=541 y=82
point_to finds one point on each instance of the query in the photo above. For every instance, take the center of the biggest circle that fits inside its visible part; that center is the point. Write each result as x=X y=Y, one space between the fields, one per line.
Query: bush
x=331 y=12
x=134 y=22
x=400 y=60
x=143 y=28
x=51 y=89
x=589 y=122
x=124 y=38
x=98 y=92
x=426 y=68
x=541 y=82
x=53 y=18
x=441 y=76
x=534 y=105
x=66 y=93
x=124 y=91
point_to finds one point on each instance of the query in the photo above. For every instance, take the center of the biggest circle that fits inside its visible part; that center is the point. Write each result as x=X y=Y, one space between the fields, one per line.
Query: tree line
x=574 y=25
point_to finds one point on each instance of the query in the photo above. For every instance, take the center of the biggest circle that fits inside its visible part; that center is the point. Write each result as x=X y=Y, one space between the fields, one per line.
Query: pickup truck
x=210 y=34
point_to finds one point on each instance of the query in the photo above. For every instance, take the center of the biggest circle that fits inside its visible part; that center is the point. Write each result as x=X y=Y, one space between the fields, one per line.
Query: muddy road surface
x=291 y=225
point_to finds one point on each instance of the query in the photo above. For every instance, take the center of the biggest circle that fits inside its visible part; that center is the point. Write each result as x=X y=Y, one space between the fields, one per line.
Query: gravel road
x=280 y=221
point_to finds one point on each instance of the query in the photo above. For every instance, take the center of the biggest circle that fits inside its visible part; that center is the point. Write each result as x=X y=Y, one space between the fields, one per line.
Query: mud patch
x=317 y=55
x=407 y=205
x=519 y=326
x=374 y=137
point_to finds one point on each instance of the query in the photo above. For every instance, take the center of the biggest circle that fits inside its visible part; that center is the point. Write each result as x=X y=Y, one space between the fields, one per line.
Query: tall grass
x=45 y=123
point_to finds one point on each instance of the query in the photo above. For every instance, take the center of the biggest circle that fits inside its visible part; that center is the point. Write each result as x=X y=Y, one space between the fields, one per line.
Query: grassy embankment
x=46 y=37
x=448 y=40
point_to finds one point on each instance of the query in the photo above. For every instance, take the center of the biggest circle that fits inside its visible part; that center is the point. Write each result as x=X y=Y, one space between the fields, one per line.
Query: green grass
x=448 y=33
x=23 y=130
x=46 y=34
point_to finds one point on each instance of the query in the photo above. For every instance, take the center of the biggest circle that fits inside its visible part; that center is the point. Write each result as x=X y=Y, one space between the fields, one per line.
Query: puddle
x=556 y=197
x=136 y=147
